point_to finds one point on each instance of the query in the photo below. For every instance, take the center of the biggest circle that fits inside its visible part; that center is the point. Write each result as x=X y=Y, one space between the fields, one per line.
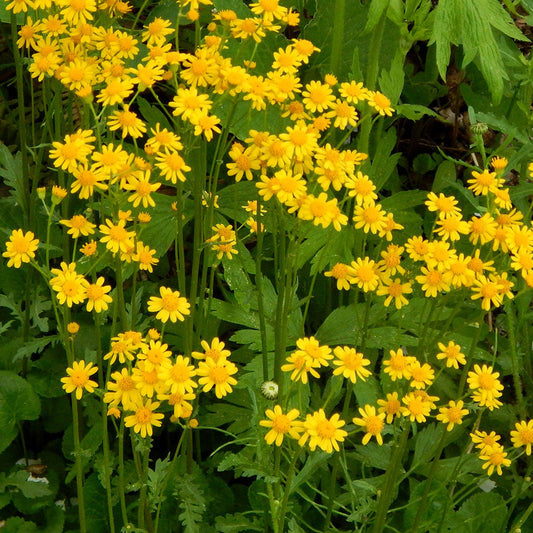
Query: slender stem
x=79 y=466
x=121 y=485
x=391 y=478
x=511 y=331
x=338 y=37
x=422 y=504
x=287 y=493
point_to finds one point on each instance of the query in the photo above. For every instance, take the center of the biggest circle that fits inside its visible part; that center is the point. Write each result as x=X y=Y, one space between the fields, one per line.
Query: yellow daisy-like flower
x=20 y=248
x=97 y=297
x=372 y=422
x=370 y=217
x=318 y=97
x=179 y=376
x=452 y=353
x=399 y=365
x=215 y=350
x=281 y=424
x=443 y=205
x=364 y=273
x=69 y=285
x=128 y=122
x=489 y=290
x=434 y=281
x=323 y=432
x=483 y=182
x=116 y=237
x=421 y=375
x=351 y=364
x=394 y=290
x=122 y=390
x=416 y=407
x=483 y=440
x=453 y=414
x=495 y=458
x=317 y=355
x=172 y=166
x=142 y=189
x=486 y=386
x=78 y=378
x=144 y=418
x=390 y=407
x=380 y=103
x=218 y=375
x=522 y=435
x=170 y=306
x=300 y=364
x=78 y=225
x=340 y=272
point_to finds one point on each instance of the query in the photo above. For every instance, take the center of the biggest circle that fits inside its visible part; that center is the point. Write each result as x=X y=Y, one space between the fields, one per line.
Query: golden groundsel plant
x=306 y=176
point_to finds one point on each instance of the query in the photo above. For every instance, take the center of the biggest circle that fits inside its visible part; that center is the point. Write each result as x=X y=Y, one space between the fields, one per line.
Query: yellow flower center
x=143 y=415
x=325 y=429
x=281 y=424
x=126 y=384
x=79 y=378
x=219 y=375
x=374 y=425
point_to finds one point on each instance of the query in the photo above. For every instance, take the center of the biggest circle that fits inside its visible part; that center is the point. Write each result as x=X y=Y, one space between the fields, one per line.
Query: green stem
x=371 y=78
x=287 y=493
x=121 y=486
x=79 y=466
x=338 y=37
x=429 y=480
x=511 y=331
x=391 y=479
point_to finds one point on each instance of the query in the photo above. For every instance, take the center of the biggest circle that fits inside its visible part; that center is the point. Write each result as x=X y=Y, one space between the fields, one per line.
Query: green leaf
x=314 y=462
x=384 y=161
x=427 y=442
x=482 y=512
x=374 y=455
x=11 y=171
x=340 y=327
x=414 y=111
x=237 y=523
x=95 y=505
x=377 y=8
x=23 y=481
x=152 y=114
x=19 y=525
x=191 y=502
x=18 y=401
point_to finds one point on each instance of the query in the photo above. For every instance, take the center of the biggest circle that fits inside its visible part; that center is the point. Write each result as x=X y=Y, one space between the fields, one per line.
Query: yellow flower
x=323 y=432
x=147 y=379
x=452 y=354
x=179 y=376
x=398 y=366
x=523 y=435
x=281 y=424
x=144 y=255
x=380 y=103
x=372 y=422
x=97 y=297
x=78 y=378
x=451 y=227
x=300 y=364
x=20 y=248
x=370 y=217
x=416 y=407
x=495 y=458
x=444 y=205
x=172 y=166
x=453 y=414
x=318 y=97
x=119 y=348
x=215 y=350
x=486 y=386
x=421 y=375
x=128 y=121
x=140 y=184
x=394 y=290
x=483 y=440
x=78 y=225
x=316 y=354
x=340 y=272
x=390 y=407
x=351 y=364
x=69 y=285
x=170 y=306
x=489 y=290
x=353 y=92
x=122 y=391
x=218 y=375
x=144 y=418
x=116 y=237
x=483 y=182
x=434 y=281
x=74 y=150
x=364 y=273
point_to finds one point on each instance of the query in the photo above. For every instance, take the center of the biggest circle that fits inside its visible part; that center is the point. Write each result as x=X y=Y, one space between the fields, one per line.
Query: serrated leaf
x=29 y=488
x=34 y=346
x=191 y=502
x=236 y=523
x=314 y=461
x=11 y=171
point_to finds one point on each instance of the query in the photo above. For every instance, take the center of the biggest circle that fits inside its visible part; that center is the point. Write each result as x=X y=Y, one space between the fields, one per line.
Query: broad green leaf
x=384 y=161
x=28 y=487
x=374 y=455
x=342 y=326
x=95 y=505
x=376 y=11
x=427 y=442
x=152 y=114
x=445 y=176
x=314 y=462
x=18 y=401
x=19 y=525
